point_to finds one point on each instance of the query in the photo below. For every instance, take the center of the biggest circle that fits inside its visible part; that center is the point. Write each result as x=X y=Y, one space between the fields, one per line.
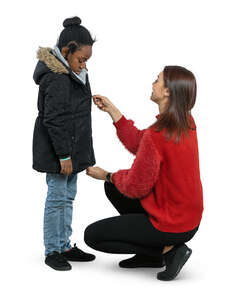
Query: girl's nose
x=84 y=66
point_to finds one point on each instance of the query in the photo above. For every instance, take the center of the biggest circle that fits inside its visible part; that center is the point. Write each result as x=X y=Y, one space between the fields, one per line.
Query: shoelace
x=76 y=248
x=59 y=257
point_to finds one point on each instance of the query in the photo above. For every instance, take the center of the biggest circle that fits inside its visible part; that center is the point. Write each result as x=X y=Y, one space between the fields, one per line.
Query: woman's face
x=159 y=91
x=77 y=60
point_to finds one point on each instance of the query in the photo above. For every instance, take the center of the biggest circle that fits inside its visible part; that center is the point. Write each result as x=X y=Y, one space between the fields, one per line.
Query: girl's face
x=77 y=60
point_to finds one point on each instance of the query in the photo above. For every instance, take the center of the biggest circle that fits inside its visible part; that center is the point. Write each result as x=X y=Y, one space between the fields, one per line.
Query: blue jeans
x=58 y=210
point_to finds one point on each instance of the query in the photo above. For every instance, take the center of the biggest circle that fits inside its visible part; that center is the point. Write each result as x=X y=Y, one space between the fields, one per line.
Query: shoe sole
x=57 y=269
x=185 y=258
x=80 y=260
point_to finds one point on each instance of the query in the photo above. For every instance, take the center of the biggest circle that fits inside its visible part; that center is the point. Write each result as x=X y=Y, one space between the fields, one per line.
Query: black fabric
x=122 y=203
x=63 y=127
x=143 y=261
x=132 y=232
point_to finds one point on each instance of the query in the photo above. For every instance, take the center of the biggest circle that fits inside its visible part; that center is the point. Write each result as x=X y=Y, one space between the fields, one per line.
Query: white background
x=135 y=40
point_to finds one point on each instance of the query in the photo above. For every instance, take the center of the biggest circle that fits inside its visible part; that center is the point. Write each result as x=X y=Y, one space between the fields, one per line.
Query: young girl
x=62 y=138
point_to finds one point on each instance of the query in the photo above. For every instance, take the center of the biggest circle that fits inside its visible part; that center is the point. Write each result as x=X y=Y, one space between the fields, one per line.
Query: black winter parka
x=63 y=126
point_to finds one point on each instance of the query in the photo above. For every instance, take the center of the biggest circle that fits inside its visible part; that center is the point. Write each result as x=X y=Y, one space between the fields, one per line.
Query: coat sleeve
x=139 y=180
x=128 y=134
x=57 y=114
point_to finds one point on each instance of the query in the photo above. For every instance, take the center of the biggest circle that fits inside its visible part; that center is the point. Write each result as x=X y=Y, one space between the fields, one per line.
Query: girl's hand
x=66 y=166
x=103 y=103
x=96 y=173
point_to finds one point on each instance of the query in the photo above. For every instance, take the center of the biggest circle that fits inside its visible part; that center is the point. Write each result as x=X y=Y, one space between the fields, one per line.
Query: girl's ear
x=64 y=51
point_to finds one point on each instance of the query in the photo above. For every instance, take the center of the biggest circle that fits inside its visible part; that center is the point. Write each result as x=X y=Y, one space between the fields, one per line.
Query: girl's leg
x=54 y=211
x=122 y=203
x=66 y=229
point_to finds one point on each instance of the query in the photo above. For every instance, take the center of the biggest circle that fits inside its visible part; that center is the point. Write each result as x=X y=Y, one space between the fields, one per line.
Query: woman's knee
x=91 y=234
x=97 y=232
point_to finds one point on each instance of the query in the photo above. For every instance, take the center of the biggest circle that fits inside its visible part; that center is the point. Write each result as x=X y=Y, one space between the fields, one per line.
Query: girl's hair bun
x=72 y=21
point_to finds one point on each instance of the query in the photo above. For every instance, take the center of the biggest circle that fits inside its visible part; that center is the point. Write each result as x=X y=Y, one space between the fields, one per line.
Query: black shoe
x=142 y=261
x=56 y=261
x=174 y=260
x=75 y=254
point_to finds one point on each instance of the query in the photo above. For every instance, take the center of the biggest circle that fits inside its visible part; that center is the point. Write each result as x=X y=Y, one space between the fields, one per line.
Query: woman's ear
x=166 y=92
x=64 y=51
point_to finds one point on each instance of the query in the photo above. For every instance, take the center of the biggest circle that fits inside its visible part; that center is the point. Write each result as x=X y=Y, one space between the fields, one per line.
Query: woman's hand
x=103 y=103
x=96 y=173
x=106 y=105
x=66 y=166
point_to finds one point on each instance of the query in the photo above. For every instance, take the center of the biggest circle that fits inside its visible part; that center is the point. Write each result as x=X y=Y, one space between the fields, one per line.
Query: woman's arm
x=139 y=180
x=129 y=135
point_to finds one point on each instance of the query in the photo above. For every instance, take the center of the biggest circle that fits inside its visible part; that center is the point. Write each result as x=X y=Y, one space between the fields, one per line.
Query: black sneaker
x=142 y=261
x=75 y=254
x=56 y=261
x=174 y=260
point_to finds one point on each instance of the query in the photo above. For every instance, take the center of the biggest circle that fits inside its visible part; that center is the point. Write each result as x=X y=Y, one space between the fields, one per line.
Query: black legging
x=132 y=231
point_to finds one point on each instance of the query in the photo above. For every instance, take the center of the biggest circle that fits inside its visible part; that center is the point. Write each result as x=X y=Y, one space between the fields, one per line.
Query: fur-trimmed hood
x=47 y=63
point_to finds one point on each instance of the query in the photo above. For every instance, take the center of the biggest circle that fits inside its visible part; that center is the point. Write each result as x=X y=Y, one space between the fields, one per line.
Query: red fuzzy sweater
x=165 y=176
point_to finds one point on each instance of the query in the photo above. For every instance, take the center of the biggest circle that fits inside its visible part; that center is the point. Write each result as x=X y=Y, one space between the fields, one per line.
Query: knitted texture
x=130 y=137
x=135 y=182
x=164 y=176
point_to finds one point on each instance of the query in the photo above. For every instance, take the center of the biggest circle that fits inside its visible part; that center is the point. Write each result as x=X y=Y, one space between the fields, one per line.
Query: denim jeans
x=58 y=210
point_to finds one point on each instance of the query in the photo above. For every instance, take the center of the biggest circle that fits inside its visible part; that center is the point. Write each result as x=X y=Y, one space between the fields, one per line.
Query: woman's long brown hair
x=182 y=87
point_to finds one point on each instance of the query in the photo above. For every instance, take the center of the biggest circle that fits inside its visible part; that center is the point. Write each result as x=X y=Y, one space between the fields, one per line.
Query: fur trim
x=43 y=54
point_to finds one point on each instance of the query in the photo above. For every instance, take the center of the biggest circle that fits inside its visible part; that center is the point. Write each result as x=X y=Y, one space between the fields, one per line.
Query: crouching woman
x=160 y=198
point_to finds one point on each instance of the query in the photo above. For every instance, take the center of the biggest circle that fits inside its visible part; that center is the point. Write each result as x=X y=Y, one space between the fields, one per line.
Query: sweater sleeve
x=57 y=114
x=139 y=180
x=128 y=134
